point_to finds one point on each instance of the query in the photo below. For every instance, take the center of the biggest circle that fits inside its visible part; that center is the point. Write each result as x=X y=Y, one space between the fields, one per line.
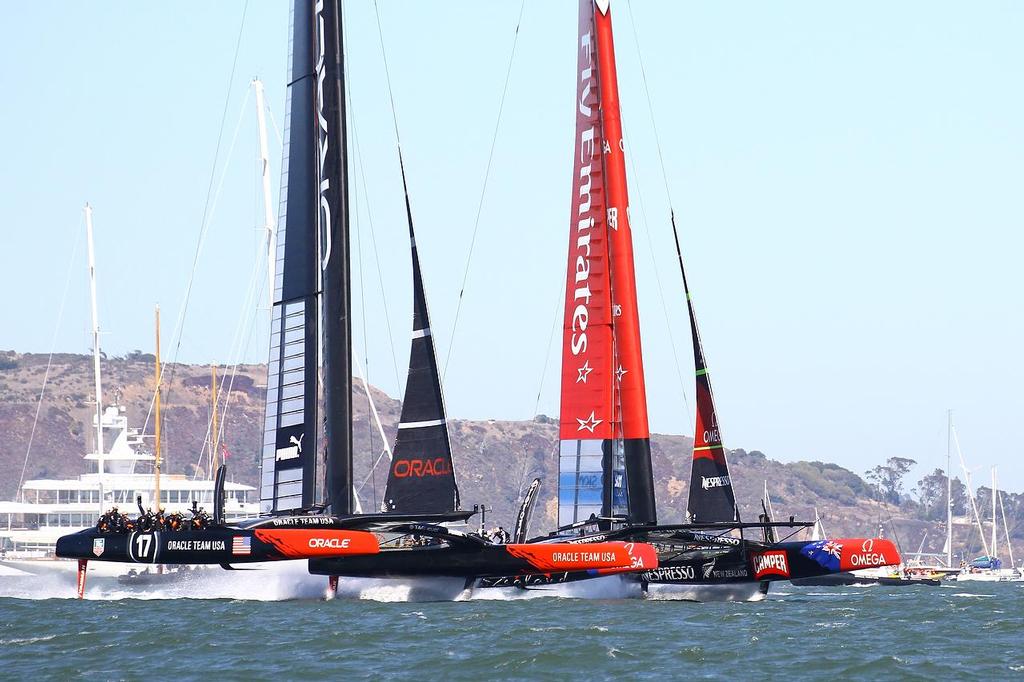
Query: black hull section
x=216 y=545
x=846 y=579
x=458 y=562
x=212 y=546
x=640 y=481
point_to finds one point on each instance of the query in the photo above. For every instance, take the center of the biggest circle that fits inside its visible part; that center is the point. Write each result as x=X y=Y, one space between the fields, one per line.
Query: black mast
x=332 y=220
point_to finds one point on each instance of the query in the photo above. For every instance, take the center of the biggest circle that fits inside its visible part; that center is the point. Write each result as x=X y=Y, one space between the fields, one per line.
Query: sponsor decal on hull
x=670 y=574
x=608 y=557
x=98 y=545
x=771 y=563
x=196 y=545
x=298 y=543
x=868 y=553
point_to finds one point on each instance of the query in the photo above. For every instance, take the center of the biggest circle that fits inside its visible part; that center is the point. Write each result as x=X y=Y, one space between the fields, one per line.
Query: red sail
x=630 y=368
x=587 y=352
x=587 y=484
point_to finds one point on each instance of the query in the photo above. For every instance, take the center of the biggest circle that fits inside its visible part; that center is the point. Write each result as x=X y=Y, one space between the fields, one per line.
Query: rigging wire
x=483 y=190
x=239 y=348
x=365 y=369
x=664 y=177
x=49 y=359
x=369 y=212
x=547 y=352
x=208 y=209
x=657 y=279
x=273 y=123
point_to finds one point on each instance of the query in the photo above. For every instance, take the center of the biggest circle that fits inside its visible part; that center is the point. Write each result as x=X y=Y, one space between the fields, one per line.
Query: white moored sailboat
x=45 y=509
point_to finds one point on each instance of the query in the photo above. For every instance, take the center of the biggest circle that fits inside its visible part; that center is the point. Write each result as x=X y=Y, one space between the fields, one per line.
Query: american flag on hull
x=241 y=544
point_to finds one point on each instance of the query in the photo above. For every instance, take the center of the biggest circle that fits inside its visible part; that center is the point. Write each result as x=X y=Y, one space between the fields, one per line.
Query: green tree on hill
x=888 y=478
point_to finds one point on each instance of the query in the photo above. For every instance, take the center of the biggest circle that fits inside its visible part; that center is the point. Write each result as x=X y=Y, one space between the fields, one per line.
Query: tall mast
x=970 y=492
x=269 y=223
x=95 y=344
x=1006 y=530
x=949 y=490
x=156 y=414
x=214 y=432
x=335 y=390
x=995 y=535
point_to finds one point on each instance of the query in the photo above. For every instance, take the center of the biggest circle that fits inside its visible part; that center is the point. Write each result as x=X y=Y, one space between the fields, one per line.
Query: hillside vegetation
x=494 y=460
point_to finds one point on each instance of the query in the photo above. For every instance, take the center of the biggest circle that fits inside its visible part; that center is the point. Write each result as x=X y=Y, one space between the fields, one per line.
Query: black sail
x=333 y=228
x=711 y=494
x=289 y=463
x=421 y=479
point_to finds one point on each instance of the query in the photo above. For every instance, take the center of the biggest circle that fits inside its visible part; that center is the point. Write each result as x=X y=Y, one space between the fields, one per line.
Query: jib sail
x=307 y=428
x=711 y=494
x=421 y=478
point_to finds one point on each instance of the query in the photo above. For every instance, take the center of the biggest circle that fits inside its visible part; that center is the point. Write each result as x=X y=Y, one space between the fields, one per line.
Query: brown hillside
x=495 y=460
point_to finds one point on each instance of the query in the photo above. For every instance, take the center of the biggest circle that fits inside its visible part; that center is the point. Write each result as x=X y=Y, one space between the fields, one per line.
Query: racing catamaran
x=606 y=483
x=307 y=484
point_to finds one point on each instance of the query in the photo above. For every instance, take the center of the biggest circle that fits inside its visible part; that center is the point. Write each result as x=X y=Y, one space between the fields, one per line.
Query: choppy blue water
x=948 y=632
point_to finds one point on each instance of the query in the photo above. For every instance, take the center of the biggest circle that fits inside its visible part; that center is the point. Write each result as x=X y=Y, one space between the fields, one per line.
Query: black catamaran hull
x=472 y=561
x=731 y=570
x=218 y=545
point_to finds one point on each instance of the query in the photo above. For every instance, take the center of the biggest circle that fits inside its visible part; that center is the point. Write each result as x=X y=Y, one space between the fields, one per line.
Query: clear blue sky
x=848 y=182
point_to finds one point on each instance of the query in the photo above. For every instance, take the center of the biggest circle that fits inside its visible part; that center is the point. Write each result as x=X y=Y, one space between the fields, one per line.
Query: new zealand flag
x=825 y=552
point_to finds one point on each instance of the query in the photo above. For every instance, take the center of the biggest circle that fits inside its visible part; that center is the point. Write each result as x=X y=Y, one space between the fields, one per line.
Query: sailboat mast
x=269 y=223
x=949 y=490
x=156 y=413
x=995 y=535
x=970 y=492
x=215 y=426
x=98 y=384
x=335 y=291
x=1006 y=531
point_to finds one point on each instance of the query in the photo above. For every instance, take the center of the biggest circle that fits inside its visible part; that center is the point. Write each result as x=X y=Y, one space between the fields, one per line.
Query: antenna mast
x=995 y=535
x=156 y=447
x=269 y=223
x=214 y=434
x=95 y=347
x=949 y=491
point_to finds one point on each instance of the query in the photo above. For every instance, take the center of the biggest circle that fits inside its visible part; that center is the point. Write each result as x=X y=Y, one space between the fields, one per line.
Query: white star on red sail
x=584 y=371
x=619 y=372
x=590 y=423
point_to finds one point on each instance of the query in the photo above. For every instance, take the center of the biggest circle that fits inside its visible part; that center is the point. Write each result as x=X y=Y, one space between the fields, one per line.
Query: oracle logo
x=405 y=468
x=324 y=214
x=329 y=543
